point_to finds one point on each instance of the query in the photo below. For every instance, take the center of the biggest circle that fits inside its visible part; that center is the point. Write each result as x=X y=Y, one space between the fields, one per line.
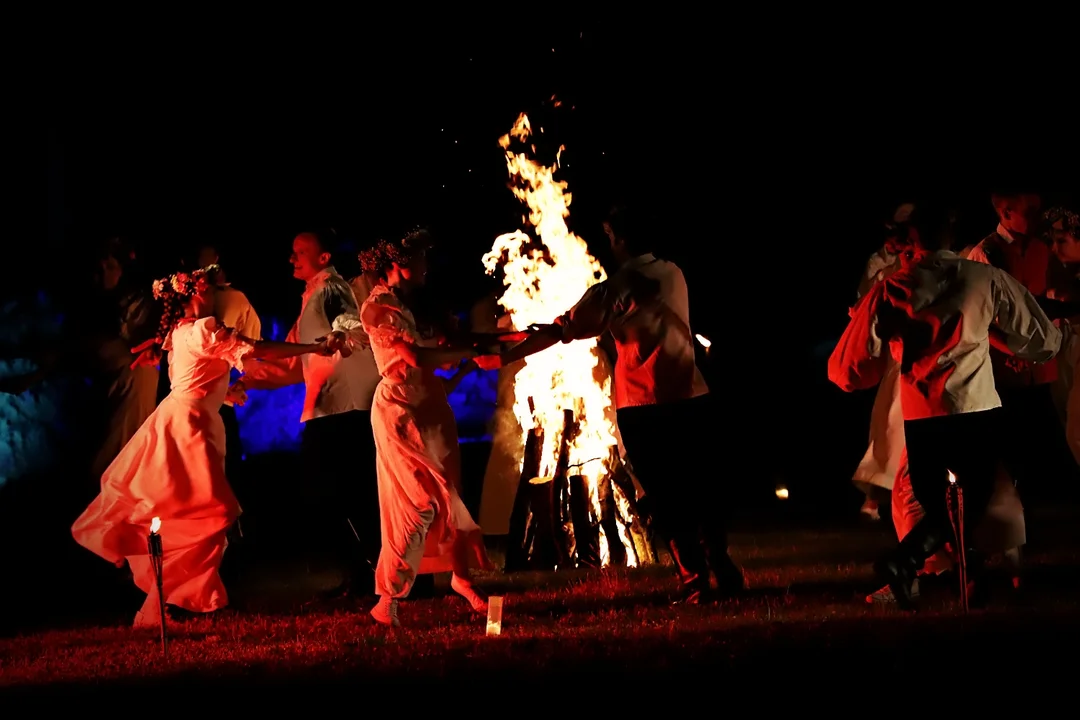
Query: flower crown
x=183 y=284
x=378 y=259
x=1072 y=221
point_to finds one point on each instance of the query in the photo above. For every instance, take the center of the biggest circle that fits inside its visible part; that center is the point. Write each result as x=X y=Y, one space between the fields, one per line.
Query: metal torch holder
x=154 y=548
x=954 y=499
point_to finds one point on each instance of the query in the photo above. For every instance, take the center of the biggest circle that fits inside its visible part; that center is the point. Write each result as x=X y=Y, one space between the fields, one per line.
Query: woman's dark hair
x=937 y=226
x=378 y=260
x=173 y=293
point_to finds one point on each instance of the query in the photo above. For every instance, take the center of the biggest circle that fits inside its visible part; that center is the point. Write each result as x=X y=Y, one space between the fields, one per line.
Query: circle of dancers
x=963 y=348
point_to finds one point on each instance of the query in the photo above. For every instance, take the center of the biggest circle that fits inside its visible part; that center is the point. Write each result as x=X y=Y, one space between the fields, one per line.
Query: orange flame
x=952 y=478
x=541 y=284
x=705 y=342
x=155 y=525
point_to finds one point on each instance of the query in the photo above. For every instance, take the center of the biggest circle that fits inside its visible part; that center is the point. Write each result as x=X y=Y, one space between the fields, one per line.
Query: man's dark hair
x=326 y=239
x=937 y=227
x=632 y=226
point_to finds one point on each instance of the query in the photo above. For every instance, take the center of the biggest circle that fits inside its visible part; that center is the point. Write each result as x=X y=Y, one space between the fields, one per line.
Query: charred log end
x=519 y=540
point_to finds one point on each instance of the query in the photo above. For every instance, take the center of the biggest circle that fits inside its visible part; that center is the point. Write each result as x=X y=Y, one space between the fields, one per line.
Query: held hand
x=148 y=355
x=237 y=393
x=322 y=346
x=489 y=362
x=339 y=342
x=1017 y=365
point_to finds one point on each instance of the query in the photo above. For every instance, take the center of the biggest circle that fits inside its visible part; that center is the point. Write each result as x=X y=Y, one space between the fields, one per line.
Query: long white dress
x=881 y=462
x=426 y=528
x=173 y=468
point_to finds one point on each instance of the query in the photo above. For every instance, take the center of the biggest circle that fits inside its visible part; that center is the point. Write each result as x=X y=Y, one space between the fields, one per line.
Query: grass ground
x=805 y=611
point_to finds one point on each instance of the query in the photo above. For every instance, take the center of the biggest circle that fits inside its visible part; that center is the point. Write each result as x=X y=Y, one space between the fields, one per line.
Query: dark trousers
x=667 y=446
x=968 y=445
x=338 y=452
x=234 y=450
x=1036 y=453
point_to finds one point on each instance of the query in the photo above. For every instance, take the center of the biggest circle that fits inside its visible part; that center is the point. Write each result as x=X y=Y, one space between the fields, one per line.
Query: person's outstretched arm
x=1022 y=327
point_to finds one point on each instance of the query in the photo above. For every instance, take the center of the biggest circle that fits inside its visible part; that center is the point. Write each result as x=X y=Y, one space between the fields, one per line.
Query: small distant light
x=782 y=492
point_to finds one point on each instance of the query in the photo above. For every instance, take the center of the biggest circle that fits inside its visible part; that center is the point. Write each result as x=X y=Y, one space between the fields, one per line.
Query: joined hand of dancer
x=149 y=354
x=335 y=342
x=237 y=394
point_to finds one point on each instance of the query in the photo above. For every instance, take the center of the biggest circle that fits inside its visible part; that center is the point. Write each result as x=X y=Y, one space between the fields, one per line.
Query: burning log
x=609 y=521
x=541 y=527
x=637 y=522
x=562 y=516
x=561 y=521
x=517 y=551
x=586 y=531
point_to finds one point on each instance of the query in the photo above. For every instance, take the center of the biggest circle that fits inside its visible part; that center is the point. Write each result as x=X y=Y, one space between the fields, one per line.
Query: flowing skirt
x=173 y=468
x=881 y=463
x=425 y=526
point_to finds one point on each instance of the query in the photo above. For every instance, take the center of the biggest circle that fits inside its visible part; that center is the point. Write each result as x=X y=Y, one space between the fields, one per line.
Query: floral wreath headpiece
x=183 y=284
x=1072 y=220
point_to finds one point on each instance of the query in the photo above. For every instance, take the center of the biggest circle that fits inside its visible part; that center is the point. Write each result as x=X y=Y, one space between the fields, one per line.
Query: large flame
x=542 y=283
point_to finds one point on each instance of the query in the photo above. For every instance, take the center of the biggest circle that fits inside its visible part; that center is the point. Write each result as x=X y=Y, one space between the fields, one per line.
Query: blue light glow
x=270 y=420
x=31 y=431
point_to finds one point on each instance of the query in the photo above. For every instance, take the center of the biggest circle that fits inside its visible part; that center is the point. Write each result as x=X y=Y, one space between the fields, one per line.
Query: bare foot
x=465 y=589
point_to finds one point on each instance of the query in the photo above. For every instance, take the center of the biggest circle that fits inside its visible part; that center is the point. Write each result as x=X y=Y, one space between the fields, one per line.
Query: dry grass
x=805 y=608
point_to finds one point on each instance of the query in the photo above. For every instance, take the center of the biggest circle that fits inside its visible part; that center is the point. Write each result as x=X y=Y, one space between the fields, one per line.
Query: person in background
x=939 y=315
x=232 y=309
x=1063 y=233
x=663 y=405
x=1038 y=452
x=337 y=449
x=116 y=314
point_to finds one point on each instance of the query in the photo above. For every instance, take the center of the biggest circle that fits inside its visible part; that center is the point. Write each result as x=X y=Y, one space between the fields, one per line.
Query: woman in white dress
x=173 y=468
x=426 y=527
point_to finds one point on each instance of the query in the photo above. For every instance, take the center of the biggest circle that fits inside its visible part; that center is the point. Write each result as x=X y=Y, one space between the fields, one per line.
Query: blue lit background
x=33 y=434
x=31 y=429
x=270 y=420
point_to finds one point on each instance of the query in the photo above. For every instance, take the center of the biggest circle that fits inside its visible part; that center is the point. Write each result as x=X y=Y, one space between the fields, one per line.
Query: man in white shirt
x=938 y=316
x=337 y=446
x=662 y=402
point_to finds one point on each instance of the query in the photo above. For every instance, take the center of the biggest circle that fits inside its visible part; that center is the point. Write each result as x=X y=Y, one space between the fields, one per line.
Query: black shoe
x=899 y=577
x=730 y=581
x=696 y=593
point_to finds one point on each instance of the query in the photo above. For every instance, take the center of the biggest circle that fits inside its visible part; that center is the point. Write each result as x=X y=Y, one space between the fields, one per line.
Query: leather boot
x=898 y=573
x=899 y=567
x=693 y=571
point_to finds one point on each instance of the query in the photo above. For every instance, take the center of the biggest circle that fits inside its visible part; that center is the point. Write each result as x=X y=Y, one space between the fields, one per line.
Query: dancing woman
x=426 y=528
x=173 y=468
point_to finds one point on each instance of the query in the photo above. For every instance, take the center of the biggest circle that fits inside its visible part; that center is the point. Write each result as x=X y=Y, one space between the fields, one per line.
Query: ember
x=575 y=502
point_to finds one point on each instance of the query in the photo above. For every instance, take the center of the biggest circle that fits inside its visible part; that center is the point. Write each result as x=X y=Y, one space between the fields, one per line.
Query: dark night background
x=774 y=151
